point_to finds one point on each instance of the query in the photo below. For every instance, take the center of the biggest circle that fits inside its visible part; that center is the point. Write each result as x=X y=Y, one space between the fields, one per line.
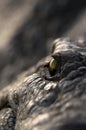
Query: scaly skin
x=44 y=102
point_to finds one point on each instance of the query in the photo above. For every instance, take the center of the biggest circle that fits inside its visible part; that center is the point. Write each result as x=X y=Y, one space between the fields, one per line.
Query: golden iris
x=53 y=66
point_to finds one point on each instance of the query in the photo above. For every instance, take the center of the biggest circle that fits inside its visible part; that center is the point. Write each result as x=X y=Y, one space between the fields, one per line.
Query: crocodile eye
x=53 y=66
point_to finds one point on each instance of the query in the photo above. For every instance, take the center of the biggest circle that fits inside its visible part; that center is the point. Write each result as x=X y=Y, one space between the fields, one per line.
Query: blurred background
x=28 y=27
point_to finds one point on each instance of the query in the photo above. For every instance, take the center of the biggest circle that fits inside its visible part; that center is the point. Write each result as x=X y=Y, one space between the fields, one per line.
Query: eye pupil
x=53 y=66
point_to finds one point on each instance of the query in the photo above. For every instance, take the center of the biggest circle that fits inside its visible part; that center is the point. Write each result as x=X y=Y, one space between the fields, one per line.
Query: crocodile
x=51 y=95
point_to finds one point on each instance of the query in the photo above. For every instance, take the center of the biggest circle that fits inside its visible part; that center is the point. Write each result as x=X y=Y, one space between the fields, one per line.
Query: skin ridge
x=38 y=103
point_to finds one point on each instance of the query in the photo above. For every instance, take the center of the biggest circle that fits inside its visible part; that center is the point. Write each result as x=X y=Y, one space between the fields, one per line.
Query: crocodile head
x=54 y=96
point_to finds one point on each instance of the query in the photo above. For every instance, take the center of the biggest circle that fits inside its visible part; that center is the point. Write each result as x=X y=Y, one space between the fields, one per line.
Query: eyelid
x=57 y=56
